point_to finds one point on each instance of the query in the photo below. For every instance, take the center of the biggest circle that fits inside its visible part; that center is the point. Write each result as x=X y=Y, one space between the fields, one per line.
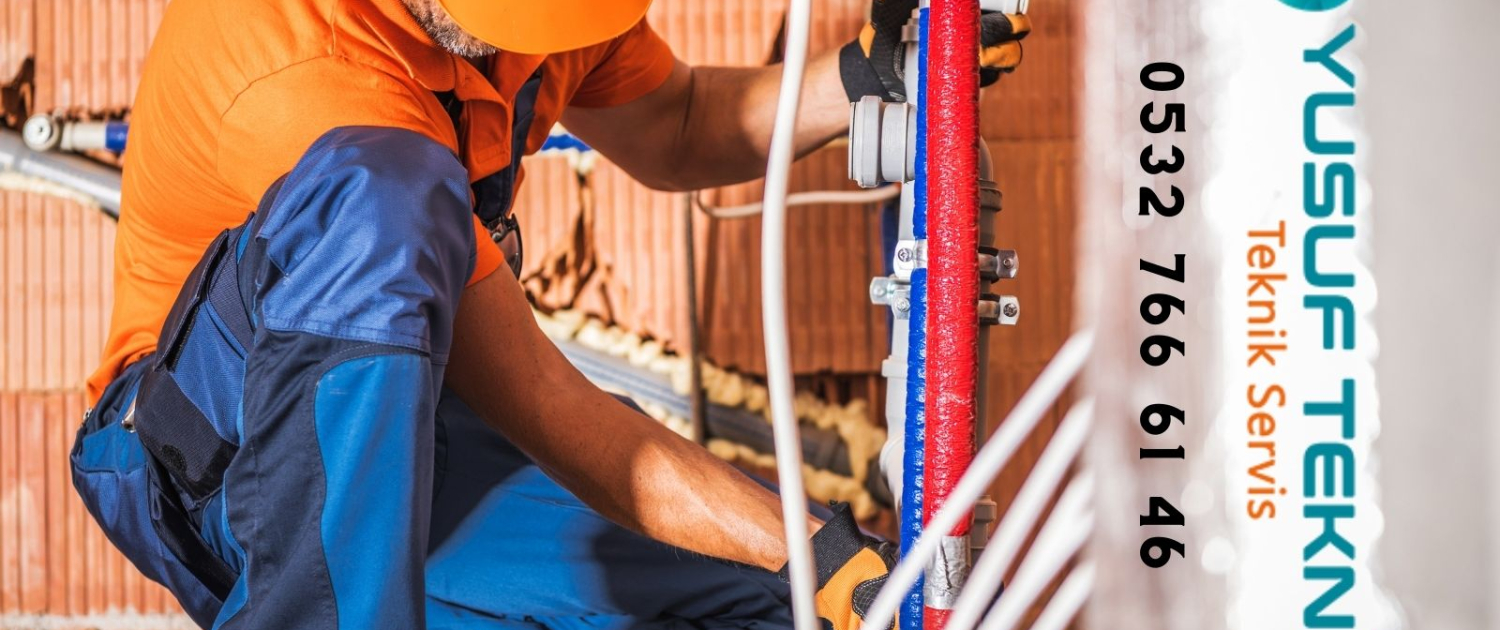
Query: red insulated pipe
x=952 y=104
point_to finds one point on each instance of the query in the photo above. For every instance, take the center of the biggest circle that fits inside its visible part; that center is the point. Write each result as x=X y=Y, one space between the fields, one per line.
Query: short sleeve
x=635 y=63
x=271 y=124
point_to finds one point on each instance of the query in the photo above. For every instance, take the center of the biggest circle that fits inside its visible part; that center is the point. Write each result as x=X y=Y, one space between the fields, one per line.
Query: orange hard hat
x=536 y=27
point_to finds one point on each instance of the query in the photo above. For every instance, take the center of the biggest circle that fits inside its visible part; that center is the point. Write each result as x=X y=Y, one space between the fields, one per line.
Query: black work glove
x=873 y=64
x=852 y=567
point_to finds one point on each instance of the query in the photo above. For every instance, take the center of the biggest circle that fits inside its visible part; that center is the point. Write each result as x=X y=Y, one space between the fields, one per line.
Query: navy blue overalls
x=289 y=458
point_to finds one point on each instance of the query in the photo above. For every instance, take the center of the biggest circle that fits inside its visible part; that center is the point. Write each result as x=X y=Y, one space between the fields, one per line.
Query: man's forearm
x=707 y=127
x=735 y=109
x=628 y=467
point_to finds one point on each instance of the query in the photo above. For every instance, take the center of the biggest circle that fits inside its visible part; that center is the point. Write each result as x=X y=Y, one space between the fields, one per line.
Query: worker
x=324 y=402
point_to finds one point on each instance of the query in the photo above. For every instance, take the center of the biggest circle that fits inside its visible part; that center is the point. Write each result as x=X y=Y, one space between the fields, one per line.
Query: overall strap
x=494 y=195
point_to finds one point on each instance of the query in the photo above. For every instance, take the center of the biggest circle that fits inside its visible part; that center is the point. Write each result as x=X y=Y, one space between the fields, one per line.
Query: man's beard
x=445 y=32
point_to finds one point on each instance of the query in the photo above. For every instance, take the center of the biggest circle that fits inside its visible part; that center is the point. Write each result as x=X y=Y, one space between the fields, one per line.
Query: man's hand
x=874 y=64
x=852 y=567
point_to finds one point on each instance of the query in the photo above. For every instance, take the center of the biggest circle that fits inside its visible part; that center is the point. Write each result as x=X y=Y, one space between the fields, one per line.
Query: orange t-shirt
x=234 y=92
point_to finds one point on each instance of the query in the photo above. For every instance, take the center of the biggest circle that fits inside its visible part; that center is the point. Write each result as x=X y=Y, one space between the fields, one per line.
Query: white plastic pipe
x=1060 y=539
x=800 y=568
x=1046 y=475
x=986 y=465
x=1068 y=599
x=91 y=179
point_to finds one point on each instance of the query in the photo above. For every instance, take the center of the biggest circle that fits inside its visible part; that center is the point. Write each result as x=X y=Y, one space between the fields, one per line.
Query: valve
x=41 y=132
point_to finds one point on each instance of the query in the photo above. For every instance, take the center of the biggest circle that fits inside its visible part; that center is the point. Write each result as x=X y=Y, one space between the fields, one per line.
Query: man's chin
x=447 y=33
x=464 y=45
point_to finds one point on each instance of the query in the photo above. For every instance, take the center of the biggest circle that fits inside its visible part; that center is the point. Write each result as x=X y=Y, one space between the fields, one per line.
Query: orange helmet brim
x=537 y=27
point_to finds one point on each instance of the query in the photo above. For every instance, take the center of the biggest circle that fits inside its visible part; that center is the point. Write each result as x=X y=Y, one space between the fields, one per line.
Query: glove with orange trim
x=874 y=65
x=852 y=567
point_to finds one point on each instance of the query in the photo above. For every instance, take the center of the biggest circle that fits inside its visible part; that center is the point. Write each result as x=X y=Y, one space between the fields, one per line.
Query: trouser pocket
x=145 y=486
x=112 y=474
x=173 y=416
x=186 y=382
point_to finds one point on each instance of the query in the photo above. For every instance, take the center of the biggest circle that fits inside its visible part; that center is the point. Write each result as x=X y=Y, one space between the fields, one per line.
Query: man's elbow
x=666 y=182
x=671 y=175
x=688 y=171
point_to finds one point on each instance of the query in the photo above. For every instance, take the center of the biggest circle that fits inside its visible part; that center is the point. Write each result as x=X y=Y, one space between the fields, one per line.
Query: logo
x=1314 y=5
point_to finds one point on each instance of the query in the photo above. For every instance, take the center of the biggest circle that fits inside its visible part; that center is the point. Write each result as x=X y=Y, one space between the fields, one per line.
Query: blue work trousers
x=310 y=469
